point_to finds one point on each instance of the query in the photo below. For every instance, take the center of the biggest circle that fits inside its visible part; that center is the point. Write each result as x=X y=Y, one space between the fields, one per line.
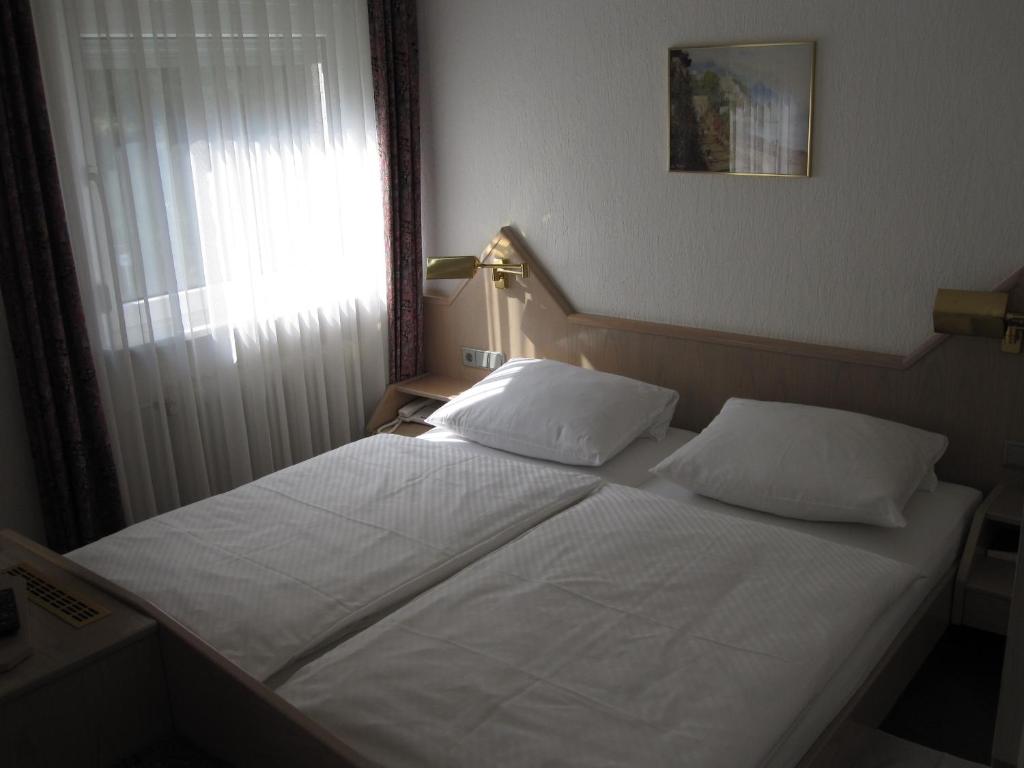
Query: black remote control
x=9 y=623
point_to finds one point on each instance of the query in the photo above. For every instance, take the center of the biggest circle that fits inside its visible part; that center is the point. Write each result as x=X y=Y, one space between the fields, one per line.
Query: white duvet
x=628 y=630
x=271 y=570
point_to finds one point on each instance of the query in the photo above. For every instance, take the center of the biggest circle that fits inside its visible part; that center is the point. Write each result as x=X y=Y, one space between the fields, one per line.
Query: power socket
x=482 y=358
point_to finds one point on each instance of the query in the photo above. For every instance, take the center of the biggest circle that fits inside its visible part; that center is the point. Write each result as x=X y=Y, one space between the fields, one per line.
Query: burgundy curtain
x=68 y=435
x=396 y=94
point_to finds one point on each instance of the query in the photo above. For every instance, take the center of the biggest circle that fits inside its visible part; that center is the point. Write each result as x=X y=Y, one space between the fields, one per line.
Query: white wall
x=19 y=497
x=552 y=115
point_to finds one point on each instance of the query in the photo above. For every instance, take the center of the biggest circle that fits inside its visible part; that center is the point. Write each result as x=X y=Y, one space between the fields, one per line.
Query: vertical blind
x=224 y=164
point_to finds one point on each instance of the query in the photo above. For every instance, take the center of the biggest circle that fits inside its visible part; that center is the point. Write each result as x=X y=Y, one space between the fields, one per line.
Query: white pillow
x=806 y=462
x=559 y=412
x=929 y=482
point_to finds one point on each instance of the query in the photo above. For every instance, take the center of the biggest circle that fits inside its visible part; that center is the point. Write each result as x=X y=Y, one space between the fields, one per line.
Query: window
x=217 y=165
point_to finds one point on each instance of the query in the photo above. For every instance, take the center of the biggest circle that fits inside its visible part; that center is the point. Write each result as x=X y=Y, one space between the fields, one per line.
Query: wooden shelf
x=429 y=385
x=433 y=386
x=1006 y=746
x=88 y=695
x=412 y=429
x=1006 y=504
x=60 y=648
x=984 y=585
x=992 y=576
x=1011 y=516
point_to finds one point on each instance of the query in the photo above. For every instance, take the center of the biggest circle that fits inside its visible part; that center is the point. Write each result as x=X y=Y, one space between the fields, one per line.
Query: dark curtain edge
x=74 y=466
x=395 y=69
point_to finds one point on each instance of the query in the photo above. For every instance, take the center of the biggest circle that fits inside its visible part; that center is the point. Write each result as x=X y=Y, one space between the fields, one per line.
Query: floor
x=171 y=753
x=951 y=704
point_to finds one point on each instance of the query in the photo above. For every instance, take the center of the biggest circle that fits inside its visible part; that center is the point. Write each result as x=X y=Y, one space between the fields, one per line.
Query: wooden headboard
x=962 y=387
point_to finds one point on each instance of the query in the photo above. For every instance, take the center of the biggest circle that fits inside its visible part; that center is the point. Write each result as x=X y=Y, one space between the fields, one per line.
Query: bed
x=278 y=708
x=930 y=544
x=629 y=629
x=516 y=587
x=304 y=557
x=270 y=572
x=305 y=653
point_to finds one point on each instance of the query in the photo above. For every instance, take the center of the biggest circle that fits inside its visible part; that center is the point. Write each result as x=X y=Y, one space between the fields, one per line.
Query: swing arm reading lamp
x=464 y=267
x=978 y=313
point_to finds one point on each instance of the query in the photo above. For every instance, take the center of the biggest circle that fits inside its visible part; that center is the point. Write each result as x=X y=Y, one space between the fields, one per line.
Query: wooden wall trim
x=762 y=343
x=519 y=249
x=509 y=244
x=961 y=387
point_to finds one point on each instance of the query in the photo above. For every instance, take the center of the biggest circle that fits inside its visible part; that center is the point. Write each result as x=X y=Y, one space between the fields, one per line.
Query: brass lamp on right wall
x=978 y=313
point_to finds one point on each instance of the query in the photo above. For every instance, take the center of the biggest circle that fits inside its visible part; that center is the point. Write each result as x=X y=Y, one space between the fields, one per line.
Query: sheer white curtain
x=227 y=218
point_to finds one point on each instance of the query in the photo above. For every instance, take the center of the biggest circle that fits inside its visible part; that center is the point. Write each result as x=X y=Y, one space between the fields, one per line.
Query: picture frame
x=742 y=109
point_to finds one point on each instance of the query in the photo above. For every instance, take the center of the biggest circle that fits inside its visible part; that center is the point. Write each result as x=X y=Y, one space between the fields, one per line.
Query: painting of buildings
x=742 y=109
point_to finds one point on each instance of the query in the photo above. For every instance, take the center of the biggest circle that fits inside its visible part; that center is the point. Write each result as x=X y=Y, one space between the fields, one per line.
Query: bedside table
x=88 y=695
x=1008 y=740
x=984 y=581
x=430 y=386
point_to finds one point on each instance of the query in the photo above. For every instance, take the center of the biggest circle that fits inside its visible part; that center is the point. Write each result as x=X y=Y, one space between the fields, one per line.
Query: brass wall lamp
x=464 y=267
x=978 y=313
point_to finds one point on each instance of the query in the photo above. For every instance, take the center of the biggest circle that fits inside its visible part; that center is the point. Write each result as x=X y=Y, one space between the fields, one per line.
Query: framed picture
x=741 y=109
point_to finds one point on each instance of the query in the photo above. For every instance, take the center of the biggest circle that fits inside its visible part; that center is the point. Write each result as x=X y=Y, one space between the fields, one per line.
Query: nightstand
x=91 y=692
x=431 y=386
x=1008 y=741
x=984 y=581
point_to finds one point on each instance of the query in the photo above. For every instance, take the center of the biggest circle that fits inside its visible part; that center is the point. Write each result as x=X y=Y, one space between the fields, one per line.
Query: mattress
x=630 y=467
x=299 y=559
x=931 y=543
x=932 y=540
x=626 y=630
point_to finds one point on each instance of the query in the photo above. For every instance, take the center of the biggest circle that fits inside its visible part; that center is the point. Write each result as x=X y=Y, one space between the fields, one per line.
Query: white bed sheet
x=626 y=630
x=936 y=525
x=936 y=522
x=298 y=559
x=630 y=467
x=932 y=541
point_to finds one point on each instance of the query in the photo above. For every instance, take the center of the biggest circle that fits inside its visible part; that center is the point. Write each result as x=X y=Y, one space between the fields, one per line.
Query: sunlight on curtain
x=235 y=248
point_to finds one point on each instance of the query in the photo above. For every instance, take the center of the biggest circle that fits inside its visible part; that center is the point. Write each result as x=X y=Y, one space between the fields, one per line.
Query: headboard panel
x=962 y=387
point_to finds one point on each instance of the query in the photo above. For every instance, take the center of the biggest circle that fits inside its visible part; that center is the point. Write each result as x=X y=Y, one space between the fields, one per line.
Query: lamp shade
x=452 y=267
x=970 y=313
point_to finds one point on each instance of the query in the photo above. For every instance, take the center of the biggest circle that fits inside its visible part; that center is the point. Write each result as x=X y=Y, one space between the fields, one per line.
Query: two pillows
x=786 y=459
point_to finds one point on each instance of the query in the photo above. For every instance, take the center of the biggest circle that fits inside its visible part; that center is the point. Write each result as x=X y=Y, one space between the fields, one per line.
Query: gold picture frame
x=742 y=109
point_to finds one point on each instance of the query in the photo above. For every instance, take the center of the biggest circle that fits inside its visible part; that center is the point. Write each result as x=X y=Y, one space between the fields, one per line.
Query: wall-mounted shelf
x=442 y=388
x=429 y=385
x=984 y=582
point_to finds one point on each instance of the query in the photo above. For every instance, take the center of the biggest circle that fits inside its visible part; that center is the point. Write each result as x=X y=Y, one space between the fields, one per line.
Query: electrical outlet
x=1013 y=454
x=482 y=358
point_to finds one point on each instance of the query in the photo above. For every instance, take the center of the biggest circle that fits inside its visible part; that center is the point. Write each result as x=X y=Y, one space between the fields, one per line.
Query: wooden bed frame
x=867 y=707
x=232 y=716
x=962 y=387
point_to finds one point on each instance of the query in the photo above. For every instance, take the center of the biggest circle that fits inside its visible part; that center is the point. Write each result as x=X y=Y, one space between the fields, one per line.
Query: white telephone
x=415 y=411
x=418 y=410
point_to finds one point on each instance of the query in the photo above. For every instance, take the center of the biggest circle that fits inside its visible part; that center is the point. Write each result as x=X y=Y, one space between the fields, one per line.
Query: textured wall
x=552 y=115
